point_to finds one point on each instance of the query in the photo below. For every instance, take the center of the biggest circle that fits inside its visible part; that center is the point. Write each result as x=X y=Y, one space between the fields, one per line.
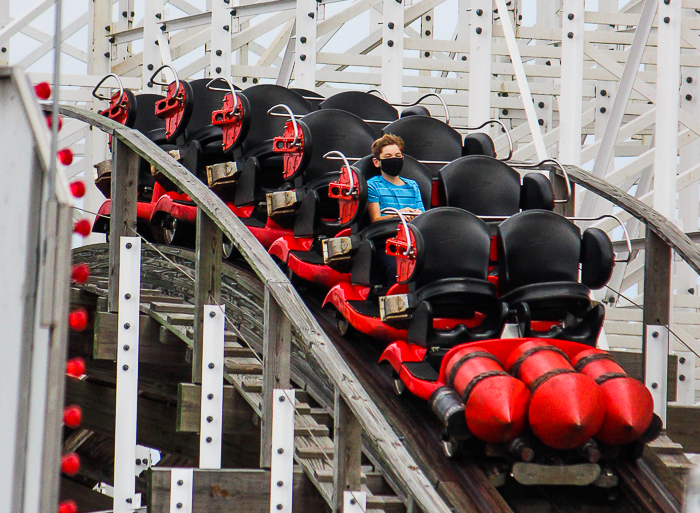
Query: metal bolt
x=654 y=386
x=479 y=12
x=353 y=501
x=178 y=505
x=107 y=54
x=681 y=377
x=219 y=53
x=226 y=27
x=603 y=92
x=548 y=63
x=218 y=69
x=124 y=13
x=128 y=245
x=210 y=396
x=156 y=43
x=541 y=105
x=209 y=439
x=571 y=16
x=302 y=57
x=655 y=334
x=279 y=483
x=479 y=30
x=126 y=347
x=540 y=122
x=279 y=506
x=138 y=461
x=390 y=43
x=464 y=57
x=112 y=39
x=127 y=296
x=180 y=482
x=390 y=25
x=428 y=18
x=302 y=39
x=150 y=67
x=3 y=49
x=255 y=80
x=125 y=367
x=212 y=314
x=689 y=80
x=132 y=14
x=150 y=84
x=210 y=419
x=128 y=501
x=691 y=290
x=311 y=15
x=667 y=20
x=667 y=2
x=280 y=451
x=504 y=112
x=127 y=326
x=603 y=110
x=158 y=15
x=281 y=399
x=570 y=35
x=682 y=359
x=427 y=32
x=211 y=365
x=427 y=54
x=688 y=97
x=244 y=79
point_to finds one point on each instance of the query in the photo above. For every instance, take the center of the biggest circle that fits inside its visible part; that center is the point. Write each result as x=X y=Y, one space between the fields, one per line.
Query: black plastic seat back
x=365 y=106
x=412 y=169
x=416 y=110
x=478 y=144
x=427 y=138
x=263 y=127
x=333 y=130
x=146 y=121
x=450 y=243
x=206 y=101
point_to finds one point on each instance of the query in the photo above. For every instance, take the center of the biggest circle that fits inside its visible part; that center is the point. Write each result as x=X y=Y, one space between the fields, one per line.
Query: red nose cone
x=49 y=123
x=75 y=367
x=78 y=319
x=72 y=415
x=43 y=90
x=82 y=227
x=65 y=156
x=80 y=273
x=68 y=507
x=566 y=411
x=77 y=189
x=629 y=409
x=70 y=464
x=497 y=409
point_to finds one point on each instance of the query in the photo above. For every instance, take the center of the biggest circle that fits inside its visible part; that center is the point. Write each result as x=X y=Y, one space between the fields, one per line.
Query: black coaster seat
x=427 y=139
x=365 y=106
x=146 y=121
x=450 y=278
x=366 y=267
x=538 y=267
x=478 y=143
x=485 y=186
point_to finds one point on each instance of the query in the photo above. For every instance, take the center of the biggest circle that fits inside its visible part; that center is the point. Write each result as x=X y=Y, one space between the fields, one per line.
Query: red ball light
x=77 y=188
x=70 y=464
x=72 y=416
x=78 y=319
x=49 y=119
x=68 y=507
x=82 y=227
x=75 y=367
x=80 y=273
x=43 y=90
x=65 y=156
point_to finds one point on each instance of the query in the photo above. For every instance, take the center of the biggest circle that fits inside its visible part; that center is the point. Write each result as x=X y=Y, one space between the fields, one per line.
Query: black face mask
x=391 y=166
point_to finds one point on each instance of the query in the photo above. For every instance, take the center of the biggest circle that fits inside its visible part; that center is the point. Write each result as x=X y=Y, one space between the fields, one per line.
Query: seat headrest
x=427 y=138
x=363 y=105
x=478 y=144
x=481 y=185
x=416 y=110
x=263 y=97
x=450 y=243
x=536 y=193
x=537 y=246
x=597 y=258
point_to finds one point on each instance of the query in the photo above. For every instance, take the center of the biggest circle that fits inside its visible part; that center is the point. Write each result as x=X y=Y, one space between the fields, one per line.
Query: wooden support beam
x=347 y=452
x=683 y=426
x=151 y=350
x=222 y=491
x=657 y=283
x=156 y=421
x=208 y=282
x=125 y=168
x=238 y=415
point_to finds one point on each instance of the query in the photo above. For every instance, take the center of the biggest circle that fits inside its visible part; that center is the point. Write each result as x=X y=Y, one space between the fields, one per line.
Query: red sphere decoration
x=78 y=319
x=65 y=156
x=70 y=464
x=77 y=188
x=72 y=416
x=80 y=273
x=75 y=367
x=82 y=227
x=68 y=507
x=43 y=90
x=49 y=119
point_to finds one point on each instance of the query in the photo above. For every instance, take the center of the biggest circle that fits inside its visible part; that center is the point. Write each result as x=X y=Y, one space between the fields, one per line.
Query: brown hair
x=386 y=140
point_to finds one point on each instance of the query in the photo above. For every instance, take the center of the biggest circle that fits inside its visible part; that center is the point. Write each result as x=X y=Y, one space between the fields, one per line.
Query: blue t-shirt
x=397 y=196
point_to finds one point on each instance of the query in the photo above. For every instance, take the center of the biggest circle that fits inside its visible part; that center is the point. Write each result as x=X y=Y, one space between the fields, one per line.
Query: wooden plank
x=277 y=339
x=207 y=282
x=683 y=426
x=238 y=415
x=347 y=453
x=223 y=491
x=125 y=163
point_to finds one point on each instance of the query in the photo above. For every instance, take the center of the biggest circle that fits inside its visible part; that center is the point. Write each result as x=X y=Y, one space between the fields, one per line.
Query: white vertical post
x=667 y=82
x=212 y=401
x=354 y=502
x=392 y=50
x=480 y=62
x=152 y=15
x=220 y=48
x=570 y=105
x=685 y=378
x=282 y=461
x=656 y=367
x=181 y=481
x=4 y=20
x=305 y=58
x=125 y=498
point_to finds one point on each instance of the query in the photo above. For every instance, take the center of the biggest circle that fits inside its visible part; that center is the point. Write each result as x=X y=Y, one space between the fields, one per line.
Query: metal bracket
x=656 y=367
x=224 y=173
x=181 y=481
x=282 y=202
x=212 y=402
x=396 y=306
x=354 y=502
x=336 y=249
x=282 y=461
x=127 y=375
